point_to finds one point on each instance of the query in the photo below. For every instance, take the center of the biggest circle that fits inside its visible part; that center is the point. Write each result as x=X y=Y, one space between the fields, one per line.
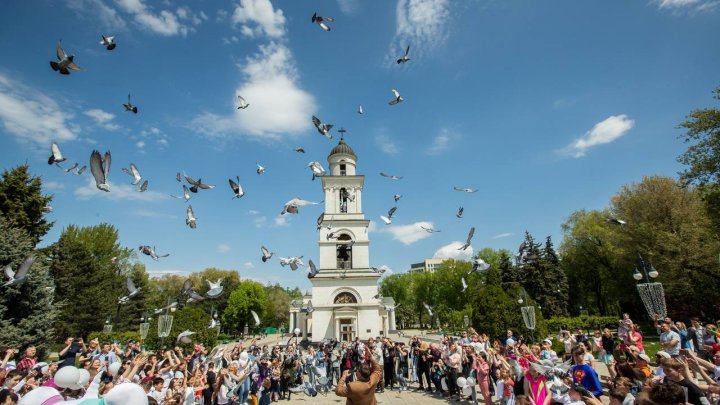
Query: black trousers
x=389 y=367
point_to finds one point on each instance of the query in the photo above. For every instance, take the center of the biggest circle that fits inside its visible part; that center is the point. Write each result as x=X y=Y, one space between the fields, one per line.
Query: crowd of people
x=470 y=366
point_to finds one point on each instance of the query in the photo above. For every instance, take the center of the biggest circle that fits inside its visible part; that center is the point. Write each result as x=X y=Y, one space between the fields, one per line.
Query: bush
x=111 y=337
x=585 y=322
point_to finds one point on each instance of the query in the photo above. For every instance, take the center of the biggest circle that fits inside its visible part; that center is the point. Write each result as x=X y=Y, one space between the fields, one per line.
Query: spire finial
x=342 y=133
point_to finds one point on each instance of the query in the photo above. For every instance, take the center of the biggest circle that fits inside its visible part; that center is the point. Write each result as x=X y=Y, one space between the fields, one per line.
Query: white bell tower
x=344 y=295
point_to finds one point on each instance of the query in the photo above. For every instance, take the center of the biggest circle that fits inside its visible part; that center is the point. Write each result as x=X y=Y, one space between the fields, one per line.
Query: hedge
x=585 y=322
x=111 y=337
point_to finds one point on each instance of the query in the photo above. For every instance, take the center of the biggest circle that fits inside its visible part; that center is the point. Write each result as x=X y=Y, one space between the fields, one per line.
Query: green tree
x=27 y=311
x=249 y=295
x=189 y=318
x=703 y=156
x=87 y=281
x=554 y=283
x=22 y=202
x=276 y=312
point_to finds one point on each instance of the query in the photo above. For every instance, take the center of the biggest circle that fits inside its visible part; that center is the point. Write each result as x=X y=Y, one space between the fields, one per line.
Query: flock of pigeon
x=100 y=170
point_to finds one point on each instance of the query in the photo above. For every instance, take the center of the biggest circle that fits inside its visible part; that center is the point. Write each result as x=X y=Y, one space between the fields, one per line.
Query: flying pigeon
x=317 y=169
x=242 y=103
x=134 y=173
x=430 y=230
x=190 y=217
x=522 y=247
x=150 y=251
x=143 y=187
x=81 y=170
x=236 y=188
x=47 y=208
x=194 y=296
x=185 y=196
x=397 y=197
x=380 y=270
x=299 y=150
x=405 y=57
x=360 y=109
x=215 y=288
x=467 y=190
x=378 y=296
x=64 y=62
x=260 y=169
x=55 y=157
x=460 y=212
x=100 y=168
x=255 y=317
x=213 y=318
x=292 y=205
x=323 y=129
x=184 y=337
x=178 y=177
x=554 y=375
x=464 y=284
x=390 y=176
x=132 y=291
x=129 y=107
x=19 y=277
x=309 y=308
x=194 y=185
x=320 y=20
x=293 y=262
x=429 y=309
x=388 y=219
x=108 y=42
x=166 y=308
x=72 y=168
x=266 y=254
x=313 y=271
x=398 y=98
x=615 y=221
x=479 y=265
x=469 y=238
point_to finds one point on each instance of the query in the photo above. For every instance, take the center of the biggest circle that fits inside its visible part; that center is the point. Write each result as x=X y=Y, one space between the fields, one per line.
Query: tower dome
x=342 y=147
x=342 y=160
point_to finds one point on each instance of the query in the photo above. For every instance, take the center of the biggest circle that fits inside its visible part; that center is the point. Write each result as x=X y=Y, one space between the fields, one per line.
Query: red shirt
x=26 y=363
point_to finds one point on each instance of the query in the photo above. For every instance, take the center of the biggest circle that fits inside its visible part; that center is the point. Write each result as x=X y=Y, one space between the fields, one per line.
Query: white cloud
x=118 y=192
x=441 y=142
x=386 y=144
x=108 y=16
x=282 y=220
x=406 y=234
x=248 y=265
x=223 y=248
x=601 y=133
x=30 y=115
x=450 y=251
x=53 y=185
x=347 y=6
x=258 y=17
x=161 y=273
x=677 y=3
x=164 y=23
x=502 y=235
x=140 y=144
x=278 y=106
x=421 y=23
x=102 y=118
x=687 y=6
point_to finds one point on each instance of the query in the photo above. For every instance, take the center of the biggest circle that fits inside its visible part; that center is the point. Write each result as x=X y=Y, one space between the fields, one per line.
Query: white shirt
x=158 y=395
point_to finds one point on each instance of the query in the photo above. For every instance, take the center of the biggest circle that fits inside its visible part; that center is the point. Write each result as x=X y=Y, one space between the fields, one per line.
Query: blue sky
x=546 y=107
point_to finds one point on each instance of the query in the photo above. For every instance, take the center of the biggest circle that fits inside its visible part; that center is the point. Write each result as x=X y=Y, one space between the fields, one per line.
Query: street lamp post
x=144 y=327
x=527 y=311
x=651 y=293
x=466 y=321
x=108 y=327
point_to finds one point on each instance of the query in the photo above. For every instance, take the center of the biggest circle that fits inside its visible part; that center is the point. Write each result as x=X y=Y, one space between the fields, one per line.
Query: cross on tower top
x=342 y=132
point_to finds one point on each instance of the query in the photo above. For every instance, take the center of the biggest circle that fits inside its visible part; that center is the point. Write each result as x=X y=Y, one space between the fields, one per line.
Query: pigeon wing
x=9 y=273
x=187 y=285
x=25 y=267
x=256 y=317
x=191 y=180
x=106 y=164
x=391 y=212
x=60 y=52
x=96 y=167
x=144 y=186
x=316 y=121
x=385 y=219
x=395 y=92
x=130 y=285
x=135 y=173
x=470 y=235
x=384 y=174
x=407 y=50
x=57 y=156
x=313 y=269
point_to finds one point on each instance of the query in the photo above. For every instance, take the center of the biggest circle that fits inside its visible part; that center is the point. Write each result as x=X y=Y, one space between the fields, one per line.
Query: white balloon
x=84 y=377
x=467 y=390
x=443 y=384
x=114 y=368
x=461 y=382
x=470 y=381
x=67 y=377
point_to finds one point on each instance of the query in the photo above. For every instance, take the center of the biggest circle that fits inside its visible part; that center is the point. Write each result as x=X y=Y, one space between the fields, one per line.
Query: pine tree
x=27 y=311
x=23 y=204
x=508 y=270
x=88 y=283
x=554 y=301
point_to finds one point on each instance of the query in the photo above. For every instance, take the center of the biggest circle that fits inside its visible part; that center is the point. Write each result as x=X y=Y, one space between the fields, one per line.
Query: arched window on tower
x=345 y=298
x=344 y=252
x=345 y=197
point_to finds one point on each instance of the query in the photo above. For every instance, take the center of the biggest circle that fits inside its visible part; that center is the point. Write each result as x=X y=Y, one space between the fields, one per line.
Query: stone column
x=303 y=326
x=292 y=322
x=391 y=316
